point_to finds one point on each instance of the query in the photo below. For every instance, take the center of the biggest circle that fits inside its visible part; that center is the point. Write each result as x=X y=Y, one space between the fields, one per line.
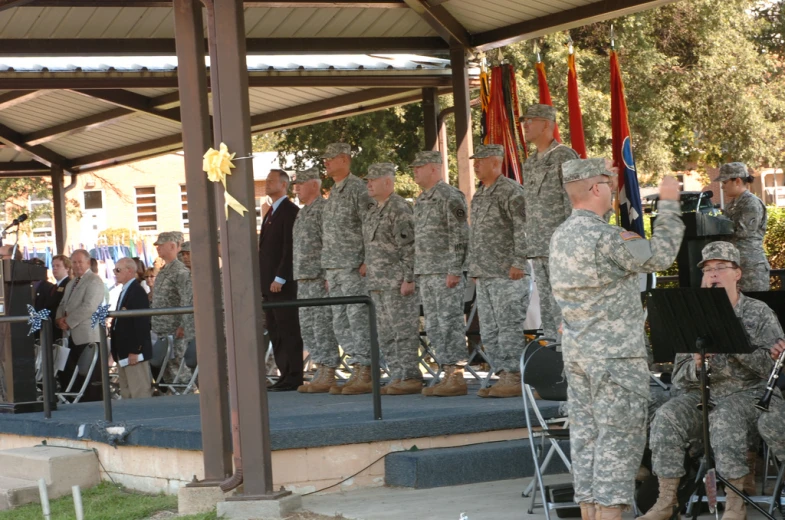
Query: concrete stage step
x=16 y=492
x=60 y=468
x=486 y=462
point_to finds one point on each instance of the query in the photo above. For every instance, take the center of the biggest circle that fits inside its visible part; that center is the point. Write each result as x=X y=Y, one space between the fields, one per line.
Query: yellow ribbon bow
x=218 y=164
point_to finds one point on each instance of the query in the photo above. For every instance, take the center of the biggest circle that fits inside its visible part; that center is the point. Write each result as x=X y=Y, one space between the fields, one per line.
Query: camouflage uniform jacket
x=173 y=289
x=547 y=204
x=497 y=239
x=342 y=221
x=749 y=218
x=307 y=238
x=389 y=244
x=732 y=373
x=441 y=230
x=594 y=275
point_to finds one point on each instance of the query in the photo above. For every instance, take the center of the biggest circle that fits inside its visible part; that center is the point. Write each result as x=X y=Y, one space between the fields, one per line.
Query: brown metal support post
x=239 y=244
x=208 y=316
x=58 y=209
x=430 y=111
x=463 y=119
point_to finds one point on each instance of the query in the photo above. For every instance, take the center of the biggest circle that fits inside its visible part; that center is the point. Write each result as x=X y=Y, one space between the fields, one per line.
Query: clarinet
x=771 y=384
x=705 y=367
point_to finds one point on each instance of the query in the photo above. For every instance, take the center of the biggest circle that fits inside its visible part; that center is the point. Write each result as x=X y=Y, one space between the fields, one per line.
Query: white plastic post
x=44 y=498
x=77 y=493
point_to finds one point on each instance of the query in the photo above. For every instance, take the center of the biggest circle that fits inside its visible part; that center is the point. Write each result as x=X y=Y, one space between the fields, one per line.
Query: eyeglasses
x=718 y=268
x=609 y=183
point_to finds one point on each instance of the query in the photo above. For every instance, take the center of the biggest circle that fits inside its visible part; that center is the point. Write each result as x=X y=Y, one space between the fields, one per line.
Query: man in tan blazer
x=81 y=299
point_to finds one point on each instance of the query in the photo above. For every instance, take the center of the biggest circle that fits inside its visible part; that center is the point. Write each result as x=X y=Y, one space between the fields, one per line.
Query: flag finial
x=613 y=39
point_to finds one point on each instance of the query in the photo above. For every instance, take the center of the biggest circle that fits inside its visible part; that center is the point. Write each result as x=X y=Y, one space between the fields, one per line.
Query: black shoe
x=284 y=387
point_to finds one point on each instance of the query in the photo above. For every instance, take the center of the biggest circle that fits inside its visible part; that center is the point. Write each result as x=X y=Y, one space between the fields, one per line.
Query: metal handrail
x=288 y=304
x=46 y=359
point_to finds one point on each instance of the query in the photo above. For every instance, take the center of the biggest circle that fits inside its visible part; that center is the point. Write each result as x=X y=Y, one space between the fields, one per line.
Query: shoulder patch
x=629 y=235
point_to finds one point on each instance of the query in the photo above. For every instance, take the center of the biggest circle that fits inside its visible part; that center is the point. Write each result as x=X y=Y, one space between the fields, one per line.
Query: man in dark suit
x=275 y=266
x=49 y=295
x=131 y=344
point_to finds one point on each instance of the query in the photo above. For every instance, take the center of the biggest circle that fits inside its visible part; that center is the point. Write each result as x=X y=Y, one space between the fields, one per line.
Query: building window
x=93 y=199
x=3 y=215
x=146 y=213
x=184 y=206
x=41 y=223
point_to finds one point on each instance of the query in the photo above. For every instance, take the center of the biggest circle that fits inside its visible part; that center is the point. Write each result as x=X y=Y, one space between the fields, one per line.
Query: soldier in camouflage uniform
x=547 y=204
x=749 y=217
x=389 y=255
x=343 y=261
x=315 y=322
x=497 y=262
x=173 y=289
x=185 y=254
x=441 y=235
x=737 y=382
x=594 y=274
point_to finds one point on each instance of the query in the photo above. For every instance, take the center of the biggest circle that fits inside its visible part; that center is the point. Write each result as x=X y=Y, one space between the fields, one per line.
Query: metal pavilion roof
x=84 y=128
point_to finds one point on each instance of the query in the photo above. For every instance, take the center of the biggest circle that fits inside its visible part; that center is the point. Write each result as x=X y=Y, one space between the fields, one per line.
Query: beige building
x=136 y=200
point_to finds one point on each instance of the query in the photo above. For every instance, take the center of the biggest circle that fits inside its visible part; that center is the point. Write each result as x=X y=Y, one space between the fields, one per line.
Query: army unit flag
x=630 y=208
x=577 y=139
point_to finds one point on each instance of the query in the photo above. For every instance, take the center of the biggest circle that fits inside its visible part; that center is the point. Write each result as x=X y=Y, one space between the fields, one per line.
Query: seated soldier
x=737 y=382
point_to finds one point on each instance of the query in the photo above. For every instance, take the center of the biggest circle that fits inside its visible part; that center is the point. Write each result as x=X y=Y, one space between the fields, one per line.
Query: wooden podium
x=17 y=350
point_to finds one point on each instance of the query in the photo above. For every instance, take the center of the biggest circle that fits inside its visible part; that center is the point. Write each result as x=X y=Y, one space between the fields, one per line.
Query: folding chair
x=177 y=386
x=84 y=367
x=542 y=369
x=162 y=352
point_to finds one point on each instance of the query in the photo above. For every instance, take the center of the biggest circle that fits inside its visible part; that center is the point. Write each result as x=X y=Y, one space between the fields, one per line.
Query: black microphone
x=21 y=218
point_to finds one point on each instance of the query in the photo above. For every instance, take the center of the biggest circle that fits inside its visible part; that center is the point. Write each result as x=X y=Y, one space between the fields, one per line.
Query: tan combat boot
x=749 y=478
x=362 y=383
x=587 y=510
x=667 y=504
x=508 y=386
x=453 y=386
x=485 y=392
x=405 y=387
x=608 y=513
x=383 y=390
x=338 y=390
x=303 y=388
x=735 y=508
x=325 y=382
x=428 y=390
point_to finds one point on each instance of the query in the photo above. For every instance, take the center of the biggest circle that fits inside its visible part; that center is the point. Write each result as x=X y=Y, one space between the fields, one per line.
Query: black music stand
x=701 y=321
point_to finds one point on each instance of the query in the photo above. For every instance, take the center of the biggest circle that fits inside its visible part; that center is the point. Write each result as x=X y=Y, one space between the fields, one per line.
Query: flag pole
x=616 y=205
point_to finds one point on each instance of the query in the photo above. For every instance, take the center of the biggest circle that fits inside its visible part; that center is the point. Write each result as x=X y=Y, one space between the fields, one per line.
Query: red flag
x=545 y=94
x=630 y=208
x=573 y=101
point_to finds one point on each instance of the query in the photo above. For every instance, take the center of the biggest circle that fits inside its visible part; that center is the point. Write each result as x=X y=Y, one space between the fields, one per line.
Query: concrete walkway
x=499 y=500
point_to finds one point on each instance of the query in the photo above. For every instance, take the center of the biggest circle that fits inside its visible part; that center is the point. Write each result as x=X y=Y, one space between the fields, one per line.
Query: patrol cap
x=541 y=111
x=427 y=157
x=481 y=151
x=720 y=251
x=168 y=236
x=336 y=149
x=734 y=170
x=186 y=247
x=302 y=176
x=380 y=169
x=579 y=169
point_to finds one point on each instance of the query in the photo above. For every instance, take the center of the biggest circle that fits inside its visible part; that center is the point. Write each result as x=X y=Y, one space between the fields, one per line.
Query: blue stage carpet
x=296 y=420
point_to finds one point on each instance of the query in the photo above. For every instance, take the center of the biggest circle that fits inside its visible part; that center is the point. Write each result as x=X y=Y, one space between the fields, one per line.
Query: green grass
x=105 y=502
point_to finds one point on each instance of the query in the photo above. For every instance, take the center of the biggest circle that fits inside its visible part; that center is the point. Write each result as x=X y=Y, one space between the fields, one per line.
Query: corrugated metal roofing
x=11 y=155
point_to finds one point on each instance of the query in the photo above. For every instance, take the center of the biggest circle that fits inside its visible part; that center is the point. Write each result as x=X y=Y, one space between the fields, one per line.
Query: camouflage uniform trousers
x=444 y=320
x=316 y=324
x=549 y=309
x=501 y=305
x=755 y=279
x=771 y=426
x=398 y=330
x=679 y=423
x=607 y=407
x=350 y=322
x=178 y=351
